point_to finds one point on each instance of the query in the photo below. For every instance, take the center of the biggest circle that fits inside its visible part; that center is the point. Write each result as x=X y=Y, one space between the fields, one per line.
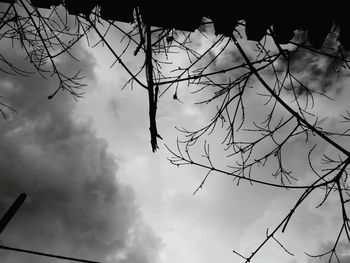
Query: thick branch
x=152 y=90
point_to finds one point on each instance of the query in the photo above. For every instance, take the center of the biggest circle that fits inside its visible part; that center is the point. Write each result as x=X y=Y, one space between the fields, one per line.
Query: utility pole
x=6 y=219
x=11 y=211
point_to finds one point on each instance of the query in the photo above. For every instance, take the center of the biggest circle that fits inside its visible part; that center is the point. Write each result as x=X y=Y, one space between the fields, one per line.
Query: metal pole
x=11 y=211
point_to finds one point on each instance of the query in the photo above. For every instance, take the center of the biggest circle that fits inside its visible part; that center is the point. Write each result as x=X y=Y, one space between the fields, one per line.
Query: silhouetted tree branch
x=288 y=70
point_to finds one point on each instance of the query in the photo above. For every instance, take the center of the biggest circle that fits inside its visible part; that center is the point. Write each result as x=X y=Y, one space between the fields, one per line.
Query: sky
x=96 y=191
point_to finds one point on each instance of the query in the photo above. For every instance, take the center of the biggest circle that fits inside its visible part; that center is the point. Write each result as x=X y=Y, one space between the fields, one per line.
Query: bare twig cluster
x=289 y=96
x=44 y=36
x=287 y=80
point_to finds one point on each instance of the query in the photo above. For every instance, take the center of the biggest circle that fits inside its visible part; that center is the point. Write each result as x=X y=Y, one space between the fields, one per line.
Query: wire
x=46 y=254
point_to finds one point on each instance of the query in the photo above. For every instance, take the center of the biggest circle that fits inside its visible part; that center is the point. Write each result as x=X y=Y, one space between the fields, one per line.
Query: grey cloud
x=75 y=204
x=113 y=106
x=314 y=70
x=342 y=251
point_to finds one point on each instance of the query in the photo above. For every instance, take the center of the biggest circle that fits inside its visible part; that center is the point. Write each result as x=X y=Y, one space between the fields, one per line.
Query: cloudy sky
x=96 y=191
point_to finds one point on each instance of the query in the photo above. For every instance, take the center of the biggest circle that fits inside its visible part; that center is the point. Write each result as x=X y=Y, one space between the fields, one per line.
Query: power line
x=46 y=254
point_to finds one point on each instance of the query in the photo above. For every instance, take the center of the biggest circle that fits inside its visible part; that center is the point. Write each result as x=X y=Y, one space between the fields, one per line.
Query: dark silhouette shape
x=283 y=28
x=46 y=3
x=11 y=211
x=318 y=31
x=223 y=25
x=76 y=7
x=344 y=35
x=187 y=16
x=123 y=12
x=256 y=28
x=174 y=17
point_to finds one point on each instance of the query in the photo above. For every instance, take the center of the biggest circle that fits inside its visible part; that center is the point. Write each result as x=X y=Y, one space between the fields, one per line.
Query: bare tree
x=282 y=68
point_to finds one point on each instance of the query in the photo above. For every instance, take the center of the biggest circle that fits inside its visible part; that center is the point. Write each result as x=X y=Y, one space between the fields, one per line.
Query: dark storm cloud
x=75 y=204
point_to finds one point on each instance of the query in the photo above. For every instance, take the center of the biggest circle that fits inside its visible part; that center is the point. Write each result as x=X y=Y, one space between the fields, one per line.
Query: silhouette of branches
x=266 y=95
x=43 y=36
x=288 y=100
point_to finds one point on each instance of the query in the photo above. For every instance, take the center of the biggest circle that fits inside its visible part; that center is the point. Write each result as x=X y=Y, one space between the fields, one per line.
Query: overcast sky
x=96 y=191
